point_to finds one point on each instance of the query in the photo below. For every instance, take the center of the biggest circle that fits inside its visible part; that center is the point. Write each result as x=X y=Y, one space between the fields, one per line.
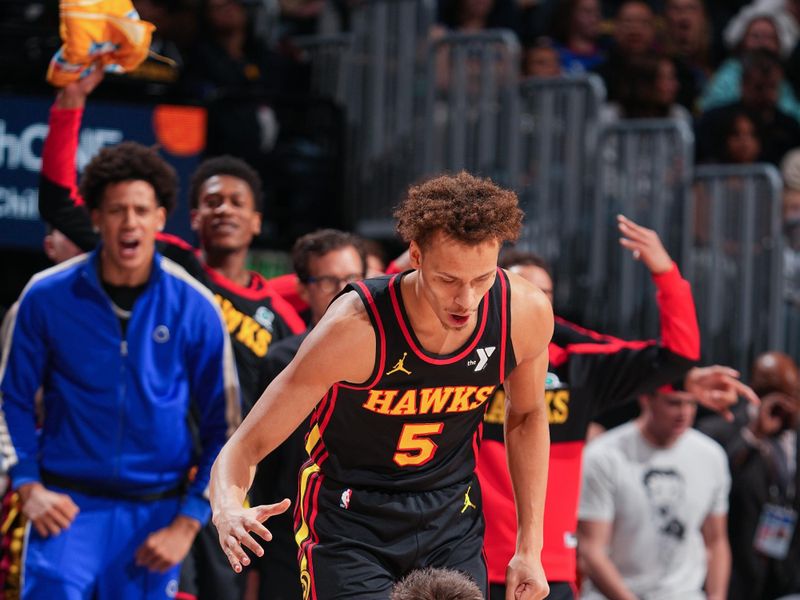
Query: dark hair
x=760 y=62
x=319 y=243
x=561 y=21
x=225 y=165
x=637 y=88
x=469 y=209
x=374 y=248
x=128 y=161
x=519 y=258
x=660 y=473
x=436 y=584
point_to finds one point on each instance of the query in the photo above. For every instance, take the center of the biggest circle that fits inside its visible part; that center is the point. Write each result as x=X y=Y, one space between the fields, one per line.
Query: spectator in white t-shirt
x=653 y=511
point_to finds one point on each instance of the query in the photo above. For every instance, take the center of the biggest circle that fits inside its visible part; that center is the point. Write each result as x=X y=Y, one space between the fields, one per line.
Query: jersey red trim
x=417 y=350
x=174 y=240
x=321 y=453
x=503 y=323
x=476 y=440
x=258 y=290
x=382 y=342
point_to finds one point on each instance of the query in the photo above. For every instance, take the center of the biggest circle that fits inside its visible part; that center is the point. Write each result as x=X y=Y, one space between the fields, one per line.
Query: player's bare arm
x=527 y=435
x=341 y=347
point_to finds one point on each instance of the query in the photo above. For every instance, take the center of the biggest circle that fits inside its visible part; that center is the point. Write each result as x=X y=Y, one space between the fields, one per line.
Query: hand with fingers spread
x=234 y=525
x=645 y=245
x=50 y=512
x=525 y=579
x=718 y=388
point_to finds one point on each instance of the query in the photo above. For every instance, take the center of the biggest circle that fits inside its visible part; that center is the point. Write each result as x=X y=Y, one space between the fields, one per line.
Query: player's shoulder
x=528 y=297
x=52 y=280
x=531 y=317
x=705 y=445
x=347 y=309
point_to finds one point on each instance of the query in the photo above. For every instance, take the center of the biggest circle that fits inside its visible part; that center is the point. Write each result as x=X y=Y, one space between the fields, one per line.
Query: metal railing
x=558 y=119
x=472 y=110
x=644 y=171
x=327 y=57
x=734 y=260
x=385 y=99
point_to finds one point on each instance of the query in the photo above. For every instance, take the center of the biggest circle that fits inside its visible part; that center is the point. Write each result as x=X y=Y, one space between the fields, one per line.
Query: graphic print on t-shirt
x=666 y=491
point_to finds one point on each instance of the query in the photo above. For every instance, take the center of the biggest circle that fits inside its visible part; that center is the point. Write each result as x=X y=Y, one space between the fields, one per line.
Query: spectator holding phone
x=763 y=501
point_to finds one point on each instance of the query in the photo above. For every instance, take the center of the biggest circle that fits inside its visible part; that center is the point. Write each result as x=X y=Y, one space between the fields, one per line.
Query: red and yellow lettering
x=433 y=400
x=380 y=401
x=415 y=448
x=407 y=405
x=481 y=396
x=261 y=343
x=496 y=413
x=461 y=399
x=557 y=406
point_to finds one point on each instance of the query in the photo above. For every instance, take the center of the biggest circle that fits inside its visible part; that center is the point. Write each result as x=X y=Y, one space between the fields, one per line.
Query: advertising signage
x=178 y=131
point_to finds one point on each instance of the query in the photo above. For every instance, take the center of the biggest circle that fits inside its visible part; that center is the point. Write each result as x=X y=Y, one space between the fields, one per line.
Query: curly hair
x=467 y=208
x=436 y=584
x=319 y=243
x=128 y=161
x=225 y=165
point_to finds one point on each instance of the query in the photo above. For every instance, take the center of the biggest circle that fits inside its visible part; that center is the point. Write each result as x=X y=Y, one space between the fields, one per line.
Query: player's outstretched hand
x=645 y=245
x=525 y=579
x=718 y=388
x=235 y=524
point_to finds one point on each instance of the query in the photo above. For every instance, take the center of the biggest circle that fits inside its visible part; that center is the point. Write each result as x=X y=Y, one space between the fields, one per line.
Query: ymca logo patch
x=483 y=358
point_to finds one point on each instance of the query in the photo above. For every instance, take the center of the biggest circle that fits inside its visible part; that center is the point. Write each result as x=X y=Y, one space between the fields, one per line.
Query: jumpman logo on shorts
x=399 y=366
x=467 y=502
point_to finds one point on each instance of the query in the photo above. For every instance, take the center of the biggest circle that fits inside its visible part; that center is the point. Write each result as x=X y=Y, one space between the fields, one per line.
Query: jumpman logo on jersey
x=467 y=502
x=399 y=366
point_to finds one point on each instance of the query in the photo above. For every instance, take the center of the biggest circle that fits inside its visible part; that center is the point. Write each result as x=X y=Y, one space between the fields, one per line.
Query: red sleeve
x=679 y=330
x=285 y=286
x=392 y=268
x=61 y=147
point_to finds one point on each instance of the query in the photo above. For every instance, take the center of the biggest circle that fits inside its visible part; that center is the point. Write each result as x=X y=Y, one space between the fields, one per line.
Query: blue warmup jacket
x=116 y=410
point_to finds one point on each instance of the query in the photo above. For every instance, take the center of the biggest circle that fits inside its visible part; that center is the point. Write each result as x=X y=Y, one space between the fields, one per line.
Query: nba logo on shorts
x=345 y=501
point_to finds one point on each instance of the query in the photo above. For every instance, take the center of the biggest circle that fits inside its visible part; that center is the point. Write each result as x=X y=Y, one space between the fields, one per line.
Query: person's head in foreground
x=436 y=584
x=455 y=226
x=667 y=414
x=129 y=190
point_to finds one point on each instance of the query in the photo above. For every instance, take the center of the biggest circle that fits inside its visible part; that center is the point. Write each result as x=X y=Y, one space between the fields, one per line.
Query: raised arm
x=344 y=331
x=527 y=435
x=59 y=202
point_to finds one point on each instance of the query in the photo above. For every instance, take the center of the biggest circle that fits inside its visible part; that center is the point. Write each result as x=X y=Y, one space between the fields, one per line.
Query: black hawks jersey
x=416 y=424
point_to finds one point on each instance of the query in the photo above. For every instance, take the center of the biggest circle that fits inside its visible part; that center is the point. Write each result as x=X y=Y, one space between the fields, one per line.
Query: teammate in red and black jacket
x=588 y=373
x=225 y=199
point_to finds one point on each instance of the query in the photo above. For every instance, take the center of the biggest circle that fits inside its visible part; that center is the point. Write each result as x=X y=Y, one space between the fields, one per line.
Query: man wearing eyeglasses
x=325 y=262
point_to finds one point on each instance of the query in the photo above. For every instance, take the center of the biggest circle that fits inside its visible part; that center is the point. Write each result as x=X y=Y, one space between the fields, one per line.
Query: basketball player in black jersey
x=397 y=374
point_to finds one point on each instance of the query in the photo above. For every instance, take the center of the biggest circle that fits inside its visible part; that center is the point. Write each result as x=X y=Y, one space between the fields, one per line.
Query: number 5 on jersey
x=415 y=448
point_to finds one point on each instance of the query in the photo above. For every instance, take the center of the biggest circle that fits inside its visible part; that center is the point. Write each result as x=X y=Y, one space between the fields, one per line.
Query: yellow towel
x=105 y=32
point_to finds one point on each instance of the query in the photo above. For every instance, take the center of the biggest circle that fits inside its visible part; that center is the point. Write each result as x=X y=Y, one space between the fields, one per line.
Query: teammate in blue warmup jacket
x=126 y=346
